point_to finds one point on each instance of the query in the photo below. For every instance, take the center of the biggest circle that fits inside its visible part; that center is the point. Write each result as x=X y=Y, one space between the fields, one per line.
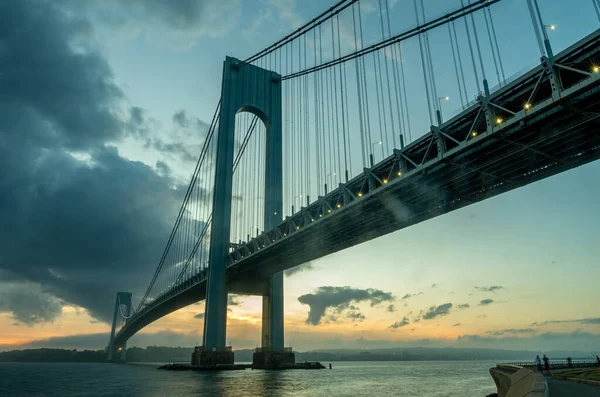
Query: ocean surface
x=416 y=378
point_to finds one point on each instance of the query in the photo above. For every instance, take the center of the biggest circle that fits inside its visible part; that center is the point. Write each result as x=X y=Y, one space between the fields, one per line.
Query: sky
x=103 y=105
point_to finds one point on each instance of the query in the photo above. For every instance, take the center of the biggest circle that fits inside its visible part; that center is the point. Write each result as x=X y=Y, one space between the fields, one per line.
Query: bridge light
x=359 y=194
x=312 y=219
x=385 y=181
x=284 y=234
x=527 y=106
x=329 y=210
x=297 y=227
x=339 y=205
x=499 y=120
x=473 y=134
x=275 y=213
x=399 y=173
x=596 y=69
x=320 y=215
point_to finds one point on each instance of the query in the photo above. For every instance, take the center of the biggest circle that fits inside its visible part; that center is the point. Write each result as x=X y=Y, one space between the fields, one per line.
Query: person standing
x=546 y=364
x=538 y=363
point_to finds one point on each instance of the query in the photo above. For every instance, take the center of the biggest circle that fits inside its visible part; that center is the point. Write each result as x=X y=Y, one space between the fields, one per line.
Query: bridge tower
x=123 y=298
x=245 y=87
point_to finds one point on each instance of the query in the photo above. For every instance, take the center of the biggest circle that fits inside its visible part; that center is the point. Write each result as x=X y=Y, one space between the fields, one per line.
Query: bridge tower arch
x=123 y=299
x=245 y=87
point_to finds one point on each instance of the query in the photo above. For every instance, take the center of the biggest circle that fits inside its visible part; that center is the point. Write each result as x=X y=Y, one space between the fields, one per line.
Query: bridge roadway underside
x=565 y=136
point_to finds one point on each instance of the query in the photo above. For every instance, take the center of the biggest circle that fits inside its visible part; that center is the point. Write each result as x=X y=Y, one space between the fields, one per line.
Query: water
x=422 y=378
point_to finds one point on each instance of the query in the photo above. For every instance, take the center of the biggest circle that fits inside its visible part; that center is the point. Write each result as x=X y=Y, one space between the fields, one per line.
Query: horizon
x=100 y=158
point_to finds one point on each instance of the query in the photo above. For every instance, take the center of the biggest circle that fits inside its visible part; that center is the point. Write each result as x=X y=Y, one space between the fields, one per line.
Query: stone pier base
x=201 y=358
x=265 y=359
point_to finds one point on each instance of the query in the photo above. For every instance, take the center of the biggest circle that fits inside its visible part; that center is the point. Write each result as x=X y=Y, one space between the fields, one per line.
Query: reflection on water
x=457 y=378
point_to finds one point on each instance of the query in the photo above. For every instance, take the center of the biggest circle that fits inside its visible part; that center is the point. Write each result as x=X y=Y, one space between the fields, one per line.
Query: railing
x=556 y=364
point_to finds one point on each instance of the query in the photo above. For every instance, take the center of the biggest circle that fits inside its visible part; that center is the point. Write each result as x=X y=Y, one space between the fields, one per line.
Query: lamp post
x=294 y=202
x=373 y=150
x=439 y=99
x=327 y=177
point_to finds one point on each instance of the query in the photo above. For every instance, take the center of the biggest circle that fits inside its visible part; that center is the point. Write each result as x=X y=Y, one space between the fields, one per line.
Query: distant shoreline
x=182 y=354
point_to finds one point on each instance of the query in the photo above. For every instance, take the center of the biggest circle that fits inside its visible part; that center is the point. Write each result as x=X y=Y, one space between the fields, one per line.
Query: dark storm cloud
x=181 y=14
x=28 y=304
x=491 y=288
x=585 y=321
x=463 y=306
x=486 y=302
x=339 y=299
x=301 y=268
x=391 y=308
x=436 y=311
x=399 y=324
x=82 y=230
x=44 y=81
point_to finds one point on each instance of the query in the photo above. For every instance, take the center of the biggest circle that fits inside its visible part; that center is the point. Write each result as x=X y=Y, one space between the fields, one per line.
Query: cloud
x=408 y=296
x=199 y=316
x=433 y=285
x=492 y=288
x=339 y=299
x=463 y=306
x=391 y=308
x=585 y=321
x=180 y=23
x=399 y=324
x=486 y=302
x=457 y=325
x=234 y=300
x=500 y=332
x=28 y=304
x=301 y=268
x=78 y=219
x=436 y=311
x=576 y=340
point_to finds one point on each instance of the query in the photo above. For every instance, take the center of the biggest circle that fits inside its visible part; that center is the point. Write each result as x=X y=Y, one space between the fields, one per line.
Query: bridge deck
x=553 y=136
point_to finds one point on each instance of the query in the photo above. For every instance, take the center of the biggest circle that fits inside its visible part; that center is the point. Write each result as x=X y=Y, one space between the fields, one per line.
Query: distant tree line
x=160 y=354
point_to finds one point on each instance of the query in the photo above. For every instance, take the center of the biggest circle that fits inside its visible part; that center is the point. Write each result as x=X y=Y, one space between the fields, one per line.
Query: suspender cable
x=178 y=220
x=496 y=42
x=400 y=109
x=489 y=32
x=434 y=92
x=335 y=104
x=462 y=71
x=368 y=137
x=385 y=146
x=317 y=114
x=542 y=24
x=359 y=91
x=387 y=76
x=597 y=8
x=471 y=50
x=342 y=100
x=477 y=44
x=408 y=129
x=307 y=161
x=462 y=102
x=536 y=28
x=424 y=66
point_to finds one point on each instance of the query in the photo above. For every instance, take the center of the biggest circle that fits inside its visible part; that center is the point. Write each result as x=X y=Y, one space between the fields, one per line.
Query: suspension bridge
x=312 y=149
